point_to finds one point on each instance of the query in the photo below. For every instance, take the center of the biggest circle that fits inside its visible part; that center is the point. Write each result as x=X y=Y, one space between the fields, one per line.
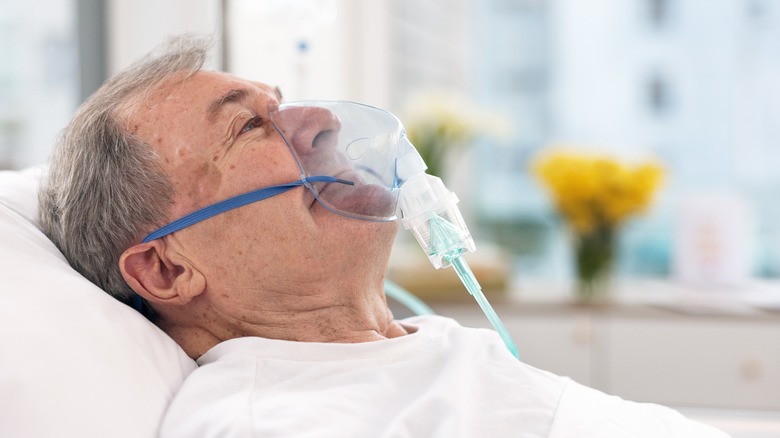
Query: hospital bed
x=76 y=362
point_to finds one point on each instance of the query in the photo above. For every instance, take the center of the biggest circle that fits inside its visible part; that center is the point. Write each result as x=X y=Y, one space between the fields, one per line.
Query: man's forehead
x=191 y=92
x=206 y=85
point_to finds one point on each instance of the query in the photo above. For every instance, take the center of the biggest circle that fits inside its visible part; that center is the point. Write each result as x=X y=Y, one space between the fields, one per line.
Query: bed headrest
x=76 y=362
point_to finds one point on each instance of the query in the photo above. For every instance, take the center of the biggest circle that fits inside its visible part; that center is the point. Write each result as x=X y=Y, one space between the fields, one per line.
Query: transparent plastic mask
x=353 y=142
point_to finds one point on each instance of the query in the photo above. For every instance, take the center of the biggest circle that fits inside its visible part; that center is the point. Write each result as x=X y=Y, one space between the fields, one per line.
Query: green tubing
x=468 y=279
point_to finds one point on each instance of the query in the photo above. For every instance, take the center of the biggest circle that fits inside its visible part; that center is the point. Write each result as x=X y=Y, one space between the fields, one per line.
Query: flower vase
x=594 y=252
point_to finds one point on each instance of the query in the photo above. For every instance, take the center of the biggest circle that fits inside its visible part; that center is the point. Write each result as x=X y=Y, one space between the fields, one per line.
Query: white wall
x=312 y=49
x=135 y=27
x=368 y=51
x=347 y=41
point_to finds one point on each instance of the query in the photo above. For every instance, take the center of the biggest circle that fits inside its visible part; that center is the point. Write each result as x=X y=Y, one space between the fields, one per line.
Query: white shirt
x=443 y=380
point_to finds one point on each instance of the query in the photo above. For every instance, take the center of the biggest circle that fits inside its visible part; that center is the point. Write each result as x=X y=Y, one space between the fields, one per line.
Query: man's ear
x=159 y=274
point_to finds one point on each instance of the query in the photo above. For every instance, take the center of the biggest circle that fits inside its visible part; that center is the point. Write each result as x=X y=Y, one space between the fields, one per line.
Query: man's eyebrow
x=232 y=96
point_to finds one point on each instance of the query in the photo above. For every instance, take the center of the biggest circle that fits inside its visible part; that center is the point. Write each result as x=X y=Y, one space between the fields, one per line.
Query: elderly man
x=280 y=298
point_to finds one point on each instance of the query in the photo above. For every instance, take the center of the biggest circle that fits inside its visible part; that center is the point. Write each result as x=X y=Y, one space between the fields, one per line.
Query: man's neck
x=346 y=315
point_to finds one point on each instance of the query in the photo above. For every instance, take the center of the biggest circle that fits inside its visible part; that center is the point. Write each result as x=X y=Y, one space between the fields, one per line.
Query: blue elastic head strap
x=138 y=304
x=238 y=201
x=229 y=204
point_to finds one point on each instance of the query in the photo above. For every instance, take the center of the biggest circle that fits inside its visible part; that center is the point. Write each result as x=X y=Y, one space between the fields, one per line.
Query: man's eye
x=254 y=122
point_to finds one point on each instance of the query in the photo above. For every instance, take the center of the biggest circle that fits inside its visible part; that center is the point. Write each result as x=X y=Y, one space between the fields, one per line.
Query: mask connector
x=431 y=213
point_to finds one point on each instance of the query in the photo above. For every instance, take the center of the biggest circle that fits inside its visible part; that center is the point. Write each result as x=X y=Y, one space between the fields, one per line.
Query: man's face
x=215 y=140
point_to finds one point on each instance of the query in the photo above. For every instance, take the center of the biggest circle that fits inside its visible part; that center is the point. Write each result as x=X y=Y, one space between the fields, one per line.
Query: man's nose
x=311 y=130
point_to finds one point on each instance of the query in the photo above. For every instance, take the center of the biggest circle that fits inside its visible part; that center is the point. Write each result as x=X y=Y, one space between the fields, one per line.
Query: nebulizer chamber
x=429 y=210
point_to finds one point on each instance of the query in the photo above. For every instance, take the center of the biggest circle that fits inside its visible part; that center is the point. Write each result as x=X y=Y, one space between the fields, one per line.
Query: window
x=39 y=87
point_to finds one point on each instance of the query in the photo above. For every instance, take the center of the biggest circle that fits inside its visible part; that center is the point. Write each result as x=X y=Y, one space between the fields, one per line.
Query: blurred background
x=693 y=85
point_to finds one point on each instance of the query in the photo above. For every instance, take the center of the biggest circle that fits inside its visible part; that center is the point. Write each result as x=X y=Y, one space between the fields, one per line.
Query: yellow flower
x=593 y=191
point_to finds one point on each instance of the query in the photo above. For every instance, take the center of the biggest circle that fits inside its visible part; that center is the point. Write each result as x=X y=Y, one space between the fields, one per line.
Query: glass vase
x=594 y=253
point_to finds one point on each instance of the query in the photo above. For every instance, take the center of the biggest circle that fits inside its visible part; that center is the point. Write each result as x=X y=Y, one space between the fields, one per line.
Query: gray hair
x=105 y=186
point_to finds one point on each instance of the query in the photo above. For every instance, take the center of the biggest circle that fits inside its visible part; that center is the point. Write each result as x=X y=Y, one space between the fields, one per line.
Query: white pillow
x=73 y=360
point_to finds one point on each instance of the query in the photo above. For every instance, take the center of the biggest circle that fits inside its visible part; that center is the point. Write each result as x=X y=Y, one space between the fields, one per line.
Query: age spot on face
x=203 y=181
